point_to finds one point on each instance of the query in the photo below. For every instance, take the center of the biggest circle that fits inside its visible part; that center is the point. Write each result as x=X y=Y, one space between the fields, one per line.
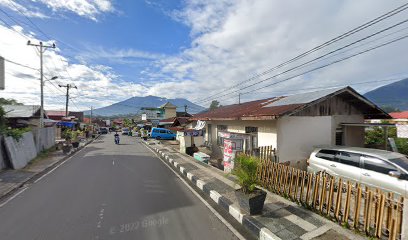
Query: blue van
x=162 y=133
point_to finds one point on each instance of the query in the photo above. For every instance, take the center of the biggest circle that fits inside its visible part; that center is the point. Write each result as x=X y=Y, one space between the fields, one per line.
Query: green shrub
x=17 y=133
x=246 y=171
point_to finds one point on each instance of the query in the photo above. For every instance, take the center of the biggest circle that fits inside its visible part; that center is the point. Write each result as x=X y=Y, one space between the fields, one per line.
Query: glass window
x=163 y=131
x=402 y=162
x=156 y=130
x=251 y=129
x=352 y=159
x=221 y=128
x=377 y=165
x=327 y=154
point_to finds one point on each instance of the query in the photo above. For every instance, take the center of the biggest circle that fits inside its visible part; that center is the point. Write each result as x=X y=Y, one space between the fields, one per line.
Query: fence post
x=404 y=229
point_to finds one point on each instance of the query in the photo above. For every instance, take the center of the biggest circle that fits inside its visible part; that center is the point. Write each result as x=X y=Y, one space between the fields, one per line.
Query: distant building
x=164 y=111
x=399 y=117
x=60 y=116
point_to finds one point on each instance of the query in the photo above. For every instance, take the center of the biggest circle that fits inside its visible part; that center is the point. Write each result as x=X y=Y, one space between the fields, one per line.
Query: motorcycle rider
x=117 y=139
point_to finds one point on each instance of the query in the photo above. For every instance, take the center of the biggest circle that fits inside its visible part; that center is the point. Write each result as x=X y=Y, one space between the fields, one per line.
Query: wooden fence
x=366 y=210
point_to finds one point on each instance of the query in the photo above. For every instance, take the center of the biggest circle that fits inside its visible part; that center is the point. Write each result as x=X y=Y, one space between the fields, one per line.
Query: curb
x=39 y=174
x=250 y=223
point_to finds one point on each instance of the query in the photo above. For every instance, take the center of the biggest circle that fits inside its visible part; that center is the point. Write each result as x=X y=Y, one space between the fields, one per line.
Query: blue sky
x=192 y=48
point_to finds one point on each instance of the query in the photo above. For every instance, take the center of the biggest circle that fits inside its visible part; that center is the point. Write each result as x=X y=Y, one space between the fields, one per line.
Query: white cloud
x=97 y=85
x=234 y=40
x=85 y=8
x=123 y=56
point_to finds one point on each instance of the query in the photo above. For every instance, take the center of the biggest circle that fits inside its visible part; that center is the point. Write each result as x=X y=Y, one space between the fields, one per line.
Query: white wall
x=297 y=137
x=266 y=130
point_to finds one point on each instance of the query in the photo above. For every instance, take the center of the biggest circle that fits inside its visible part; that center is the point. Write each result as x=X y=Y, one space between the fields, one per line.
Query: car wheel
x=158 y=138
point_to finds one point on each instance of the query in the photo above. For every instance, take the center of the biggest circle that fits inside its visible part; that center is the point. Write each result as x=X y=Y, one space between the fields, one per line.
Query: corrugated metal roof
x=278 y=106
x=20 y=111
x=399 y=115
x=302 y=98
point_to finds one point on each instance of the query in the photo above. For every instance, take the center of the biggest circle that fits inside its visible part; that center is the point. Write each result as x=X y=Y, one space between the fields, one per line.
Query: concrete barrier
x=3 y=163
x=44 y=138
x=21 y=152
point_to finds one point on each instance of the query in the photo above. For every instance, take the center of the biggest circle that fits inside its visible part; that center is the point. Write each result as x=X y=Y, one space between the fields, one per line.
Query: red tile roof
x=399 y=115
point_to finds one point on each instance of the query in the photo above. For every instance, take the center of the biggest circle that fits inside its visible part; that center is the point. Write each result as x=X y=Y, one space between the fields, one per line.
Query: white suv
x=372 y=167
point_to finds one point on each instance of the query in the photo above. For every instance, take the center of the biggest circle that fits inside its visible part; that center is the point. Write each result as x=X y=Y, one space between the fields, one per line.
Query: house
x=174 y=123
x=399 y=117
x=60 y=115
x=294 y=124
x=23 y=115
x=164 y=111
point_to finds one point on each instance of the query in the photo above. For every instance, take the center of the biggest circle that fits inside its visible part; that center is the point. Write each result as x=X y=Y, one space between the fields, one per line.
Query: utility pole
x=91 y=115
x=239 y=98
x=41 y=48
x=68 y=86
x=185 y=110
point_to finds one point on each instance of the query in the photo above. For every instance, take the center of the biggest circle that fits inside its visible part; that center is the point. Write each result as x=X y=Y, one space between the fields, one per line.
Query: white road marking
x=113 y=162
x=226 y=223
x=14 y=196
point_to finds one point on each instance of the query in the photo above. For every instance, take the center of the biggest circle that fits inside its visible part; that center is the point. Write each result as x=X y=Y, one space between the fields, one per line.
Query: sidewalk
x=11 y=180
x=281 y=219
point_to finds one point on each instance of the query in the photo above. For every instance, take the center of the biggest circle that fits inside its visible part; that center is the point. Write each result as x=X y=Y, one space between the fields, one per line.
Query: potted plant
x=251 y=199
x=75 y=139
x=66 y=146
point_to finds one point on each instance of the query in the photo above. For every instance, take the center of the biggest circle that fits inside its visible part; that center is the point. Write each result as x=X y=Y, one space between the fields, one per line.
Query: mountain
x=392 y=95
x=133 y=105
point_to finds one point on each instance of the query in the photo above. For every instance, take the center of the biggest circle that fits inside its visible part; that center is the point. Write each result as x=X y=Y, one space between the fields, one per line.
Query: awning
x=66 y=124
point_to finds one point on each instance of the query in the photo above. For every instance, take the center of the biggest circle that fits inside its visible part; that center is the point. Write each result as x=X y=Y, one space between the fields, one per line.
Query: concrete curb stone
x=251 y=224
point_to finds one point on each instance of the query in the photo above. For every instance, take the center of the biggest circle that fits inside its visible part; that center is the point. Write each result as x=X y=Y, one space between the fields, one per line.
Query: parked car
x=125 y=131
x=162 y=133
x=103 y=130
x=371 y=167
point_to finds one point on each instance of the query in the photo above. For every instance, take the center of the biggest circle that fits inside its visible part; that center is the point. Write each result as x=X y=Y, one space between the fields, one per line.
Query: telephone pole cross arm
x=68 y=86
x=41 y=48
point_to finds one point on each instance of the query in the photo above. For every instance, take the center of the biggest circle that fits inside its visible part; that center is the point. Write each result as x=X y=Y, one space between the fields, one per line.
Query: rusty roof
x=271 y=108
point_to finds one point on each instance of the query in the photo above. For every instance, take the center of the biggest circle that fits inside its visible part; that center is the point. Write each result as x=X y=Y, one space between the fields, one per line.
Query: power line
x=316 y=68
x=20 y=64
x=338 y=38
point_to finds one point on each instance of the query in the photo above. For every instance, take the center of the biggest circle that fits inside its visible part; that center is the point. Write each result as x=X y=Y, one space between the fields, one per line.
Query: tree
x=389 y=109
x=214 y=105
x=2 y=120
x=4 y=101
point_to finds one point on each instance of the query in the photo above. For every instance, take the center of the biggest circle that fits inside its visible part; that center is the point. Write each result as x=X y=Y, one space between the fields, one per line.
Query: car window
x=162 y=131
x=351 y=159
x=156 y=130
x=377 y=165
x=327 y=154
x=402 y=162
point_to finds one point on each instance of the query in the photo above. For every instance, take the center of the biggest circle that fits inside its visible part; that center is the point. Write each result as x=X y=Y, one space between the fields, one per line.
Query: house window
x=253 y=131
x=221 y=128
x=339 y=137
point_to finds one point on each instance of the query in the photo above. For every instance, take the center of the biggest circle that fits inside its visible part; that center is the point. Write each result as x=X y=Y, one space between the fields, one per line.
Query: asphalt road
x=109 y=191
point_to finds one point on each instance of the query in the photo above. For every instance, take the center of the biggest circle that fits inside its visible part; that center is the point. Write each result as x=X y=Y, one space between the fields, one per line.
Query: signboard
x=2 y=74
x=227 y=150
x=144 y=116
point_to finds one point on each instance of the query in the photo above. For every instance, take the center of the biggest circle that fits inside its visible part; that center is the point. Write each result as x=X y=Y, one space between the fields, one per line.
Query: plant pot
x=75 y=144
x=251 y=203
x=66 y=149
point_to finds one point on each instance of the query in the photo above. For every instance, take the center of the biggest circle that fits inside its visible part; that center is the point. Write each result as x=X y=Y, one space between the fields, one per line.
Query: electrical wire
x=327 y=43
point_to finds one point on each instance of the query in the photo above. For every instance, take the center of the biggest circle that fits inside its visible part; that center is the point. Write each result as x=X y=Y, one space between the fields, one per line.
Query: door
x=375 y=173
x=348 y=166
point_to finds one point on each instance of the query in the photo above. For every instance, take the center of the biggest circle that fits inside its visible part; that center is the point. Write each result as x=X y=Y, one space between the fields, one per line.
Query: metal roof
x=302 y=98
x=271 y=108
x=21 y=111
